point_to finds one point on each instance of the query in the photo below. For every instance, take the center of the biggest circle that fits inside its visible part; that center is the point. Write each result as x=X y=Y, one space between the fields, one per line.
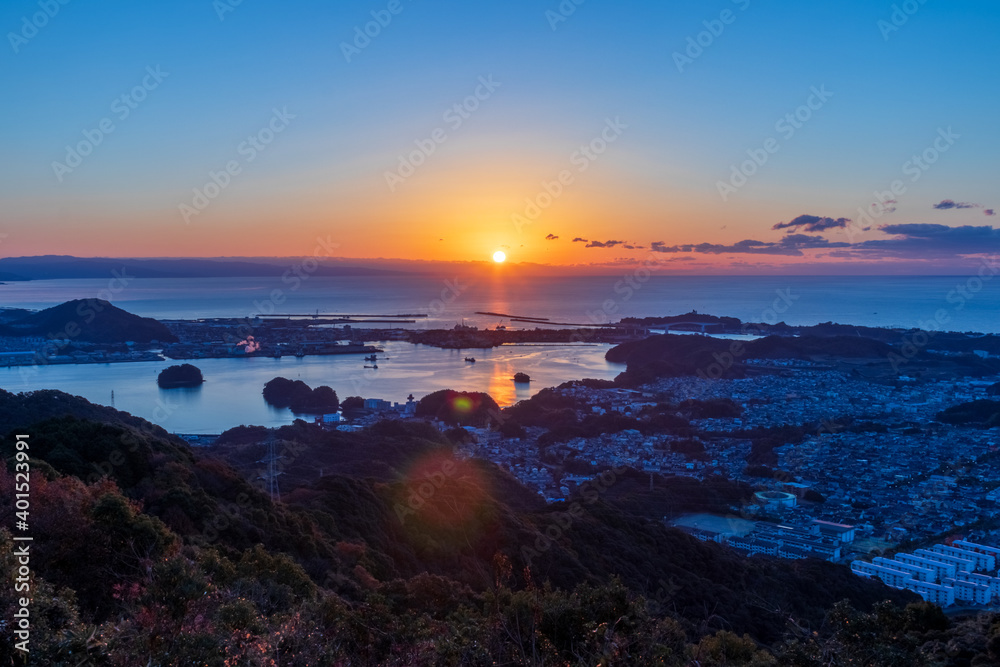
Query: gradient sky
x=894 y=92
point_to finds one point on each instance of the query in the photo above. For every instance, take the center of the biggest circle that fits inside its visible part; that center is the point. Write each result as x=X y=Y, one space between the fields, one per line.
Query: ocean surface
x=231 y=396
x=448 y=300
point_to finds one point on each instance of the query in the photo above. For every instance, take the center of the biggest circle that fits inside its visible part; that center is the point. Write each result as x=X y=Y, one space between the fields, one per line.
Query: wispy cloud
x=551 y=237
x=791 y=245
x=813 y=223
x=910 y=241
x=946 y=204
x=604 y=244
x=928 y=242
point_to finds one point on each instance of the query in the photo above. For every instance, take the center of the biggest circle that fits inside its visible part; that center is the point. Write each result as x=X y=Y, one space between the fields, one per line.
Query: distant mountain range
x=53 y=267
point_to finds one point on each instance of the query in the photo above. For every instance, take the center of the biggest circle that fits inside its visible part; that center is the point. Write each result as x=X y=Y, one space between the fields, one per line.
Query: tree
x=282 y=392
x=353 y=403
x=297 y=395
x=323 y=400
x=184 y=375
x=472 y=408
x=813 y=496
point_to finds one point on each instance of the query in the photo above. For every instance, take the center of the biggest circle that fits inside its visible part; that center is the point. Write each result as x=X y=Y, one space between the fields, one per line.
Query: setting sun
x=499 y=256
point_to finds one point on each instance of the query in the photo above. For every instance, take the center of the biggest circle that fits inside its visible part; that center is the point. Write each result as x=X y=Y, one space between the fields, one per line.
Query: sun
x=499 y=256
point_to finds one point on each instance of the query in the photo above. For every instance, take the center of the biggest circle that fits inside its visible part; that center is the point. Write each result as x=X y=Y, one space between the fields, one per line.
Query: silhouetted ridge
x=89 y=320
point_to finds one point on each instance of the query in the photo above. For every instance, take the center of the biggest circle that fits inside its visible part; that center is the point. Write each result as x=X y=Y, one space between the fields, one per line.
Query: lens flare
x=463 y=405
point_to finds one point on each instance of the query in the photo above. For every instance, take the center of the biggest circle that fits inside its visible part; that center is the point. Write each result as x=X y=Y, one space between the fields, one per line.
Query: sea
x=231 y=394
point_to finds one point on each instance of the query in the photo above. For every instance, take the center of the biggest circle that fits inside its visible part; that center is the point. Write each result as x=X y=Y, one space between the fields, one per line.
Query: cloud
x=928 y=241
x=579 y=239
x=913 y=242
x=813 y=223
x=989 y=211
x=946 y=204
x=792 y=245
x=605 y=244
x=928 y=231
x=551 y=237
x=883 y=206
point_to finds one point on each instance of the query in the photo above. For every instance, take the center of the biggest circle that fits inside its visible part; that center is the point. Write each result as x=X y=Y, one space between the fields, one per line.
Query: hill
x=89 y=320
x=670 y=355
x=146 y=547
x=983 y=413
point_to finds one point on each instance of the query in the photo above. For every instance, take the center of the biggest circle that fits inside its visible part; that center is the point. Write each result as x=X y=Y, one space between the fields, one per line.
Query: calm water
x=232 y=396
x=864 y=300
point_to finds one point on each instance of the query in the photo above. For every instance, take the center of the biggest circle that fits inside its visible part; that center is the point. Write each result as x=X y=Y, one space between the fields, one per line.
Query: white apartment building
x=992 y=582
x=978 y=548
x=917 y=572
x=969 y=591
x=943 y=596
x=894 y=578
x=941 y=569
x=982 y=561
x=961 y=564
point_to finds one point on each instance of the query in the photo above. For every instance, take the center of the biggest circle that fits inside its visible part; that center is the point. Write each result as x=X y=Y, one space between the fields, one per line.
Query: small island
x=300 y=397
x=521 y=378
x=183 y=375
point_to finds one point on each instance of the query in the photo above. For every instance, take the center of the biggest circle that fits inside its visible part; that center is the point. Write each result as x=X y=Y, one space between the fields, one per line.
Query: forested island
x=183 y=375
x=300 y=397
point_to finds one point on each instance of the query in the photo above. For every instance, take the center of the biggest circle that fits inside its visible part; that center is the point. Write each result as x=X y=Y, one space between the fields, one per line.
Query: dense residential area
x=804 y=493
x=819 y=446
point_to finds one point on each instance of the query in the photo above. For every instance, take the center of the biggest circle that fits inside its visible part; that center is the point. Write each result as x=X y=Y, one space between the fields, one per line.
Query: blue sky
x=228 y=70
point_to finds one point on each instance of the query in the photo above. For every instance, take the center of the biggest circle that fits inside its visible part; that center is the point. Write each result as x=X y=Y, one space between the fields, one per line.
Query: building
x=703 y=534
x=794 y=553
x=891 y=577
x=992 y=582
x=838 y=531
x=377 y=405
x=917 y=572
x=961 y=564
x=775 y=500
x=978 y=548
x=982 y=561
x=17 y=358
x=789 y=536
x=753 y=545
x=943 y=596
x=940 y=569
x=408 y=409
x=970 y=592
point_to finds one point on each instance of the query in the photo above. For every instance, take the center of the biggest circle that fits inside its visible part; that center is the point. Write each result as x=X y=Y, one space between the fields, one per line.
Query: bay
x=231 y=394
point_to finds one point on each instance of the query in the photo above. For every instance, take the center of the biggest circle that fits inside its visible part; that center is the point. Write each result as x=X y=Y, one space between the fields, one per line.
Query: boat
x=372 y=366
x=471 y=360
x=371 y=358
